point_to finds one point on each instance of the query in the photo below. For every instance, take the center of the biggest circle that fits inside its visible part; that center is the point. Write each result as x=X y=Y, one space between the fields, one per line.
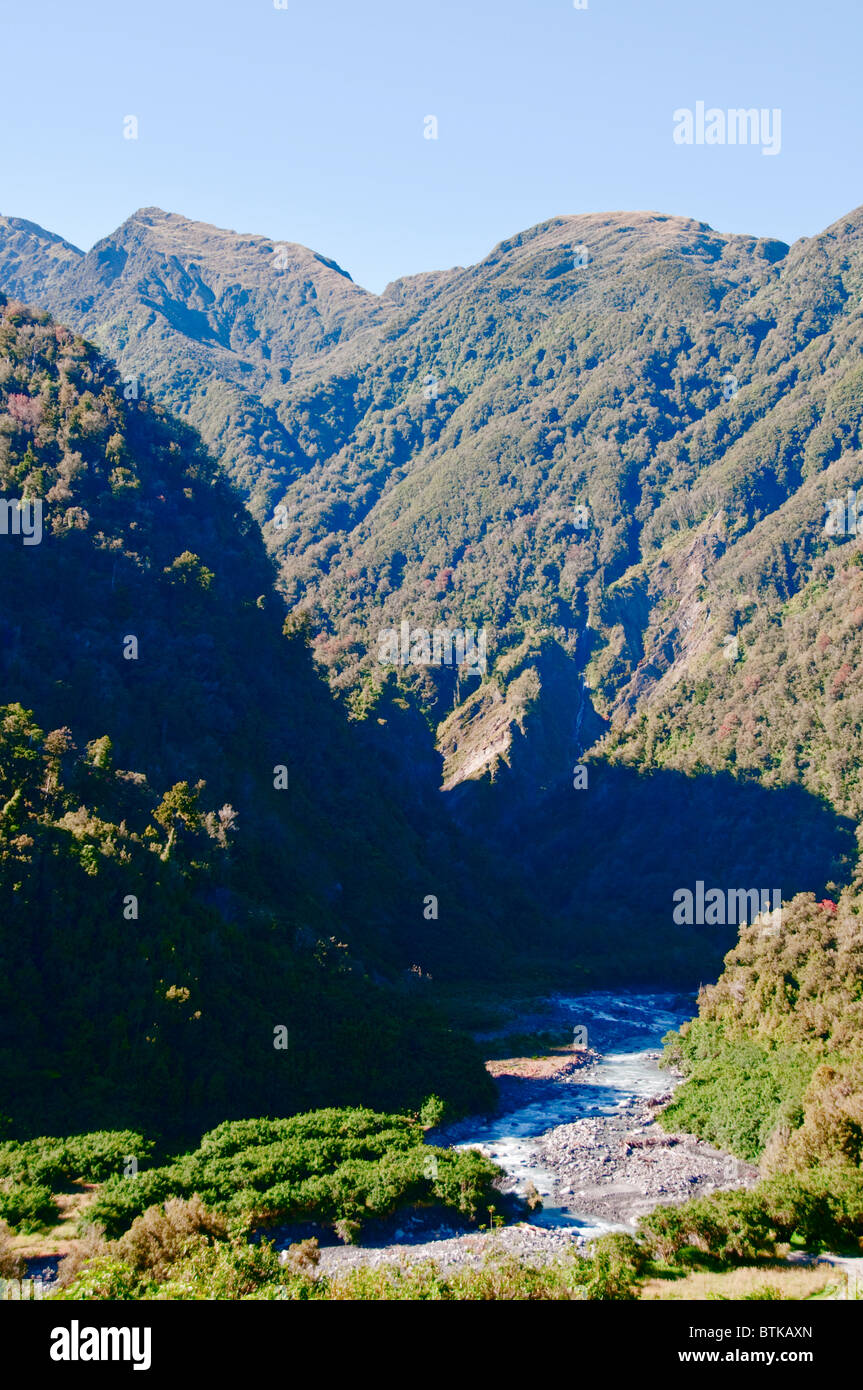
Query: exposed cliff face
x=665 y=619
x=526 y=730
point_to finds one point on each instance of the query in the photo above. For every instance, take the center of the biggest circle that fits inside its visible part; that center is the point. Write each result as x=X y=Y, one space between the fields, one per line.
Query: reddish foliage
x=843 y=675
x=25 y=410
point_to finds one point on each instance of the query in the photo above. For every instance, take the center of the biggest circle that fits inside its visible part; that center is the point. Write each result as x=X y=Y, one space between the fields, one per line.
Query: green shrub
x=325 y=1165
x=735 y=1093
x=120 y=1200
x=56 y=1162
x=613 y=1269
x=731 y=1225
x=665 y=1231
x=27 y=1207
x=106 y=1277
x=432 y=1112
x=822 y=1208
x=103 y=1154
x=727 y=1225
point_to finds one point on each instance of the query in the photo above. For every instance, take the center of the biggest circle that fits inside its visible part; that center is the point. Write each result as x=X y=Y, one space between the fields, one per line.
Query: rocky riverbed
x=620 y=1166
x=451 y=1248
x=579 y=1127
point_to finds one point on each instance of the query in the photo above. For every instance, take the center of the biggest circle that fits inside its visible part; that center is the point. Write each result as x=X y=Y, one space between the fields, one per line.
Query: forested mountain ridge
x=207 y=321
x=199 y=857
x=611 y=444
x=564 y=443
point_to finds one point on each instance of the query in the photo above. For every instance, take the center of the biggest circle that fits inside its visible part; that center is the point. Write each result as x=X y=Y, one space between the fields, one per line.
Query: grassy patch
x=746 y=1281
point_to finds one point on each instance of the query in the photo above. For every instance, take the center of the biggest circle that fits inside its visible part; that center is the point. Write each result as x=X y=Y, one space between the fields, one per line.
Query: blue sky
x=306 y=124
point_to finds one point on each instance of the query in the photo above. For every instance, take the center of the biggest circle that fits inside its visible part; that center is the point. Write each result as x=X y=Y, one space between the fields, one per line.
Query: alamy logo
x=720 y=907
x=21 y=1289
x=842 y=519
x=78 y=1343
x=445 y=646
x=737 y=126
x=21 y=517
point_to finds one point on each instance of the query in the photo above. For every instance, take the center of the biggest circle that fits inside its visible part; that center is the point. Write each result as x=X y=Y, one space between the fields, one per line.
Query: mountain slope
x=610 y=444
x=196 y=851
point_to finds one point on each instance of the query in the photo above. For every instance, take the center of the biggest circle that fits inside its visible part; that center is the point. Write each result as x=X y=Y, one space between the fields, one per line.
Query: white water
x=631 y=1026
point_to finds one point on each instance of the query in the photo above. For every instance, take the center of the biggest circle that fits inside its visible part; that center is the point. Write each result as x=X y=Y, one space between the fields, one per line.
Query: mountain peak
x=38 y=233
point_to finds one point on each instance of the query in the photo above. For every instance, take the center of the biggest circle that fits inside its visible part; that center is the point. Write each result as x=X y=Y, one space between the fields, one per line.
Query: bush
x=822 y=1208
x=328 y=1165
x=727 y=1225
x=235 y=1269
x=347 y=1231
x=302 y=1258
x=432 y=1112
x=735 y=1093
x=27 y=1207
x=831 y=1122
x=11 y=1263
x=95 y=1157
x=106 y=1277
x=532 y=1197
x=231 y=1270
x=122 y=1199
x=731 y=1225
x=163 y=1236
x=664 y=1231
x=40 y=1161
x=90 y=1246
x=621 y=1249
x=613 y=1270
x=55 y=1162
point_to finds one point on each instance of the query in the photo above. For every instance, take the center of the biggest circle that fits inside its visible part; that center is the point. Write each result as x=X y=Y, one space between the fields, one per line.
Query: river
x=626 y=1030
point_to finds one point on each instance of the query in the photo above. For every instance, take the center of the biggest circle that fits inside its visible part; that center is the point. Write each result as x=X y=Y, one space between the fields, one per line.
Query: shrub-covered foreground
x=182 y=1250
x=820 y=1209
x=327 y=1165
x=185 y=1230
x=30 y=1172
x=342 y=1166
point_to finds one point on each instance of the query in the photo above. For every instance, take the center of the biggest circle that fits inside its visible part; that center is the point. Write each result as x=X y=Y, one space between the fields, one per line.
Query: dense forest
x=247 y=869
x=196 y=848
x=611 y=445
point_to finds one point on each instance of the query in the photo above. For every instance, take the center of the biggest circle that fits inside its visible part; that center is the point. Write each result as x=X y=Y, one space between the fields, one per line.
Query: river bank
x=578 y=1126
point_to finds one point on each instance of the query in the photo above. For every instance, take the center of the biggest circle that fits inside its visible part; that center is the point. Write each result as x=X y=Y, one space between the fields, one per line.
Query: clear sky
x=307 y=123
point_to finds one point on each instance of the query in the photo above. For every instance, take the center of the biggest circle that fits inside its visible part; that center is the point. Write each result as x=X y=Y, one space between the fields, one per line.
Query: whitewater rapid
x=627 y=1030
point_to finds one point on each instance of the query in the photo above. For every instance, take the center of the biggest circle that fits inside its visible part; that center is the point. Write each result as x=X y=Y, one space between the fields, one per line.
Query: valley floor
x=605 y=1165
x=576 y=1134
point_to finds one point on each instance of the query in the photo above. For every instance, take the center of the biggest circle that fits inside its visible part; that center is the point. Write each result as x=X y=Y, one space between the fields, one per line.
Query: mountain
x=611 y=445
x=211 y=884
